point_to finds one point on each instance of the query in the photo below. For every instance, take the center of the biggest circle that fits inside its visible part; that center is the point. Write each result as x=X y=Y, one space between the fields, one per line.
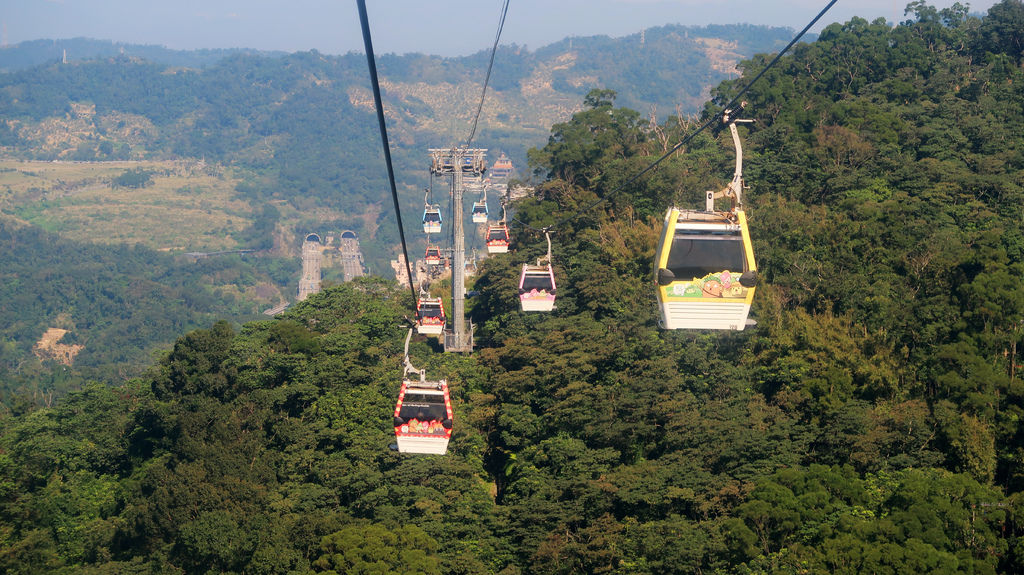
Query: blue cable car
x=480 y=212
x=431 y=219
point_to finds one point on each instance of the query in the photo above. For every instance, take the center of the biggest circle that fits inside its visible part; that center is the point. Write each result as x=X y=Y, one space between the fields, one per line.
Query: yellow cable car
x=705 y=270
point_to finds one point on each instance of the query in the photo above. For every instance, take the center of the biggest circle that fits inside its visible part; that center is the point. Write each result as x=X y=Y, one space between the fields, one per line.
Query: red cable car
x=431 y=319
x=423 y=417
x=497 y=238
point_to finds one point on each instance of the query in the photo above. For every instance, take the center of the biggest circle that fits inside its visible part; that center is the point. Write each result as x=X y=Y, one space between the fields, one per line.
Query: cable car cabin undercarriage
x=706 y=272
x=431 y=318
x=537 y=288
x=423 y=417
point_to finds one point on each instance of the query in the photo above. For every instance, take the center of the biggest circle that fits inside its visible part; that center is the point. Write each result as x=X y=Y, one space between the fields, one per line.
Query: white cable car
x=423 y=417
x=480 y=212
x=431 y=219
x=497 y=238
x=431 y=215
x=430 y=316
x=705 y=262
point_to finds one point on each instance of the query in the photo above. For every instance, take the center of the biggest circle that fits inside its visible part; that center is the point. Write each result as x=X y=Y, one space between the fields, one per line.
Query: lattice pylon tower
x=457 y=162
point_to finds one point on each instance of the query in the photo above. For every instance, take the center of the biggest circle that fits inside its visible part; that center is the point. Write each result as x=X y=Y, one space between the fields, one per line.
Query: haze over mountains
x=671 y=67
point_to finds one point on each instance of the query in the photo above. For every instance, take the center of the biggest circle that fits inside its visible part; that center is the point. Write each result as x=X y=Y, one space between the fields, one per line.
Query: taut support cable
x=371 y=62
x=716 y=118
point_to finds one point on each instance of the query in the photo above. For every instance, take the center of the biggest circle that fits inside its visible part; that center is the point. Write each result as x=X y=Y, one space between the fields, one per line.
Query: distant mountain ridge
x=665 y=69
x=33 y=53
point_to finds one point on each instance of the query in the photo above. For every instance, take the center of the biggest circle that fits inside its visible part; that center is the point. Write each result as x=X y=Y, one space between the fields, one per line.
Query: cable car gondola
x=431 y=215
x=432 y=255
x=706 y=271
x=537 y=288
x=497 y=238
x=430 y=316
x=705 y=262
x=480 y=212
x=474 y=165
x=423 y=417
x=537 y=284
x=431 y=219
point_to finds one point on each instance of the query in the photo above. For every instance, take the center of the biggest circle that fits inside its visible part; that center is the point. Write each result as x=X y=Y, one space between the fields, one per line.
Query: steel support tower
x=457 y=162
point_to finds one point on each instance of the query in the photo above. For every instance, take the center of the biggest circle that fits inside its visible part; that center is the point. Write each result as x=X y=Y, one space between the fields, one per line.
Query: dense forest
x=870 y=422
x=119 y=303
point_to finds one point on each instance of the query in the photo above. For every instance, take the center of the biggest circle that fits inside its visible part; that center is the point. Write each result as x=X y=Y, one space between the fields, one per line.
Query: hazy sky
x=445 y=27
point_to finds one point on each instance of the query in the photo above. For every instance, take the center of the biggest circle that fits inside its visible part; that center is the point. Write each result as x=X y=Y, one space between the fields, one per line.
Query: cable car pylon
x=458 y=162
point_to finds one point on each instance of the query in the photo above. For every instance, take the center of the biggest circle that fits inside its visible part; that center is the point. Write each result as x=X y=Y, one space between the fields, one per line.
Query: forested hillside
x=870 y=422
x=118 y=304
x=305 y=121
x=215 y=150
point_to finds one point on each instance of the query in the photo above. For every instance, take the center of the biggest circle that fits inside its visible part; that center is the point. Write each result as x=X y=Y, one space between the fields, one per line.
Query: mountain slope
x=835 y=437
x=306 y=121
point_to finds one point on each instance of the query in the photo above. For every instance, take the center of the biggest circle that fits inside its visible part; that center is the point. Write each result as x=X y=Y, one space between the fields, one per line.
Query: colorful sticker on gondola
x=715 y=285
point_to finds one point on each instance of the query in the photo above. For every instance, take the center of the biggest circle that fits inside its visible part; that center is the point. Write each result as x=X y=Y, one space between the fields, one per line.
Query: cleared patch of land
x=48 y=347
x=187 y=205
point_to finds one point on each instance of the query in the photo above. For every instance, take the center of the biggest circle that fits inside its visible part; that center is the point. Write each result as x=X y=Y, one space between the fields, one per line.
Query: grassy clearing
x=188 y=205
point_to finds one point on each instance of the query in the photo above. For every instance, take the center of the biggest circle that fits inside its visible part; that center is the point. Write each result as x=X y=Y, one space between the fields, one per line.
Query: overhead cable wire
x=371 y=62
x=715 y=118
x=487 y=78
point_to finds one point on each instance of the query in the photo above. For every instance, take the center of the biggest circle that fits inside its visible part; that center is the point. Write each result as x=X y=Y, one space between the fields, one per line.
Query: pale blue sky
x=445 y=27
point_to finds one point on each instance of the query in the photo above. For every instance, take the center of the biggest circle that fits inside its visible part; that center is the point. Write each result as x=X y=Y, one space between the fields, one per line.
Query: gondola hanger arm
x=734 y=190
x=407 y=364
x=547 y=258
